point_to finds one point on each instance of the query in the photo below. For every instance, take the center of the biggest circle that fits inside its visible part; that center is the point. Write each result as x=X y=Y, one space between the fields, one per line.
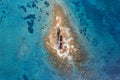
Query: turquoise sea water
x=24 y=24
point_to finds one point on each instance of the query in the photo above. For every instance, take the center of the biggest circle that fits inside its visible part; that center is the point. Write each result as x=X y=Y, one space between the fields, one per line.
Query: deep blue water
x=24 y=24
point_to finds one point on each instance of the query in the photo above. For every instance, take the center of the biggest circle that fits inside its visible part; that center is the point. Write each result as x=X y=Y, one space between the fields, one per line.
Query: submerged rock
x=62 y=43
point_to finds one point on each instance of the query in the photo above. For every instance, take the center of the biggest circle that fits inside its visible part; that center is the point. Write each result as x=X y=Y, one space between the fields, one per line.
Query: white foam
x=66 y=41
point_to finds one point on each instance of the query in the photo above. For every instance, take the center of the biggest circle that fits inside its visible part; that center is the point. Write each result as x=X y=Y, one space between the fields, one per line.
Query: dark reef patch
x=34 y=5
x=83 y=22
x=40 y=10
x=30 y=16
x=23 y=7
x=46 y=3
x=83 y=30
x=30 y=29
x=25 y=77
x=28 y=5
x=30 y=26
x=30 y=23
x=47 y=13
x=3 y=12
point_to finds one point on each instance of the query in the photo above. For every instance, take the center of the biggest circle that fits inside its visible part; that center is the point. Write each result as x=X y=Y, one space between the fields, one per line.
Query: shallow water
x=24 y=24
